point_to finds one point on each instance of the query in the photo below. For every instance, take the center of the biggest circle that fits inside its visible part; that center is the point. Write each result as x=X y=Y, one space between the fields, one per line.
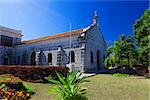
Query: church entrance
x=32 y=59
x=98 y=59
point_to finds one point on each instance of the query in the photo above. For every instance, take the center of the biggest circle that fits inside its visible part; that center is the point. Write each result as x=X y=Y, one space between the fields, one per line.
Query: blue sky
x=37 y=18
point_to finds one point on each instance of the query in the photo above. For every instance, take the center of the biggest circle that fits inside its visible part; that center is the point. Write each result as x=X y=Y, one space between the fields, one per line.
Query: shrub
x=33 y=74
x=120 y=75
x=68 y=87
x=141 y=70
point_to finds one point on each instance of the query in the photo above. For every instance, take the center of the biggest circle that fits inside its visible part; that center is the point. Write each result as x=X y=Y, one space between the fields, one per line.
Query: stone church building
x=82 y=50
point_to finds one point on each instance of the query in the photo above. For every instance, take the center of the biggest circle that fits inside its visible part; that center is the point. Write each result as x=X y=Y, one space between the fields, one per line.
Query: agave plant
x=68 y=88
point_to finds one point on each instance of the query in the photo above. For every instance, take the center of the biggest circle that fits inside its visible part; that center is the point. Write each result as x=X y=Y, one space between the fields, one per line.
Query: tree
x=123 y=53
x=68 y=87
x=110 y=61
x=142 y=36
x=129 y=52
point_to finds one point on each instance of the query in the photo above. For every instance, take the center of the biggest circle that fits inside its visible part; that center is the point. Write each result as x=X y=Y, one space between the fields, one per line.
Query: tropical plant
x=129 y=52
x=69 y=88
x=110 y=61
x=142 y=36
x=123 y=53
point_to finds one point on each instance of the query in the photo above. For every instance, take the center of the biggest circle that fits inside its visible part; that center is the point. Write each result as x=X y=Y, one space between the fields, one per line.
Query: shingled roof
x=65 y=34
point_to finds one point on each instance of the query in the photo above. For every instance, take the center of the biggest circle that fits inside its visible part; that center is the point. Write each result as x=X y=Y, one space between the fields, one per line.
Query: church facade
x=83 y=50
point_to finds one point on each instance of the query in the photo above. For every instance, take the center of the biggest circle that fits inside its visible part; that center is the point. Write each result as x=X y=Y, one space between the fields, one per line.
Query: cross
x=95 y=13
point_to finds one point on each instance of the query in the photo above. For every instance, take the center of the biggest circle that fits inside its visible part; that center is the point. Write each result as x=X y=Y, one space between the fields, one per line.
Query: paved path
x=88 y=74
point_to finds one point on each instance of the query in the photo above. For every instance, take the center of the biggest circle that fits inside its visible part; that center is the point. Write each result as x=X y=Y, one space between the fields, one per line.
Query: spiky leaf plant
x=68 y=88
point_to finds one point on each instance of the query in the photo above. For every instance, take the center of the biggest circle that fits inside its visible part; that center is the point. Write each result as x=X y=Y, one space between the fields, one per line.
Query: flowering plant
x=13 y=90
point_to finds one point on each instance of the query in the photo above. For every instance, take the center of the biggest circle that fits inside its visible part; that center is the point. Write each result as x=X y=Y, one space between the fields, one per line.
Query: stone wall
x=53 y=46
x=95 y=42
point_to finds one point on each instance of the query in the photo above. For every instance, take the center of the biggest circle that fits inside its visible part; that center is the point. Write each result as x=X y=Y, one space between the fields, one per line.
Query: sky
x=38 y=18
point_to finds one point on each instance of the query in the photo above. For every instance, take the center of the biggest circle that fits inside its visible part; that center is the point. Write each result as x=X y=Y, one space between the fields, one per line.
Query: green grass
x=120 y=75
x=108 y=87
x=101 y=87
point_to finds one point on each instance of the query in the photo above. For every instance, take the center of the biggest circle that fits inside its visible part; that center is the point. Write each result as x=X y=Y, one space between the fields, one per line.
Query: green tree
x=142 y=36
x=129 y=52
x=123 y=53
x=69 y=88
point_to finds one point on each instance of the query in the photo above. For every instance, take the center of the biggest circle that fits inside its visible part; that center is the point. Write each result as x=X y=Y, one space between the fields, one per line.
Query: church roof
x=65 y=34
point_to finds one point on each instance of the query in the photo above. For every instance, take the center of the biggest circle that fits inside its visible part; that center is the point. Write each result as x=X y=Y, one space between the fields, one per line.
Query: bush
x=120 y=75
x=140 y=70
x=33 y=74
x=123 y=70
x=68 y=88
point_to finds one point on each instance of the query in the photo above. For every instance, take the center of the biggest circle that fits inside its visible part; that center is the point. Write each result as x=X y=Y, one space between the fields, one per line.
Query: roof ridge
x=63 y=34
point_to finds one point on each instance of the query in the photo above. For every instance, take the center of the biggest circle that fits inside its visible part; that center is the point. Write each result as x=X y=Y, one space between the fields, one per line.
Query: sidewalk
x=88 y=74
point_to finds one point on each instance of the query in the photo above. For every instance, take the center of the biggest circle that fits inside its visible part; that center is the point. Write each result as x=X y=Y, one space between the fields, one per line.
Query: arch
x=50 y=58
x=32 y=59
x=72 y=56
x=98 y=59
x=91 y=56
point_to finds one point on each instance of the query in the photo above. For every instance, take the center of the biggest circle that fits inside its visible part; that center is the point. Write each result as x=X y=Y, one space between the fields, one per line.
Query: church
x=82 y=50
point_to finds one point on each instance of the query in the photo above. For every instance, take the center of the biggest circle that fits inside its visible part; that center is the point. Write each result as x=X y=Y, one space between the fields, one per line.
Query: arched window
x=49 y=58
x=91 y=57
x=32 y=59
x=98 y=59
x=103 y=58
x=72 y=56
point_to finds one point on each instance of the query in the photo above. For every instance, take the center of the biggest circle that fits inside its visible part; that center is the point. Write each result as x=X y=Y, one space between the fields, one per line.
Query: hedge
x=33 y=73
x=135 y=70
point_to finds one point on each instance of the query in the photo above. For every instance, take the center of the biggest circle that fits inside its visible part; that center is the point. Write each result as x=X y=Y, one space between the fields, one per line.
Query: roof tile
x=65 y=34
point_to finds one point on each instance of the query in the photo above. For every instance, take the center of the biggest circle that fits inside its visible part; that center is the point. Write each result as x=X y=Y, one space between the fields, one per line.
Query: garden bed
x=11 y=89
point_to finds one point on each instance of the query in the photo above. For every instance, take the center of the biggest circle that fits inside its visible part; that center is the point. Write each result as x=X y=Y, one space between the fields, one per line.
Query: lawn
x=101 y=87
